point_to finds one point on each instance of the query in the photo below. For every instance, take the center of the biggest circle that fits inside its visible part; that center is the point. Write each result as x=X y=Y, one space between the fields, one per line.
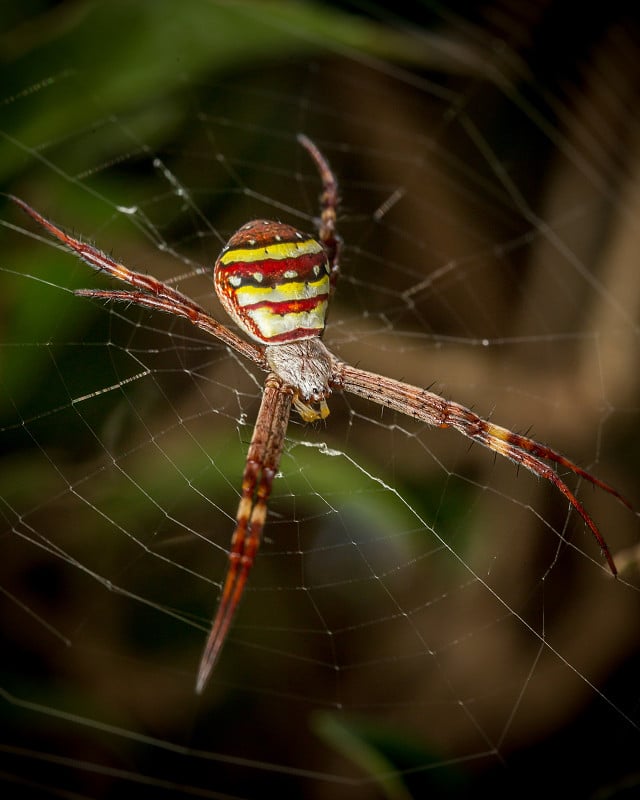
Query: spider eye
x=273 y=280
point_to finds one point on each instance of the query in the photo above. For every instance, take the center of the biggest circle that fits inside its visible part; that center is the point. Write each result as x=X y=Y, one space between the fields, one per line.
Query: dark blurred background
x=488 y=160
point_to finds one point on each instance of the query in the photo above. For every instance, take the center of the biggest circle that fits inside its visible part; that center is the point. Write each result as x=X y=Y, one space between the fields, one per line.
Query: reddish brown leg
x=328 y=207
x=261 y=467
x=150 y=292
x=435 y=410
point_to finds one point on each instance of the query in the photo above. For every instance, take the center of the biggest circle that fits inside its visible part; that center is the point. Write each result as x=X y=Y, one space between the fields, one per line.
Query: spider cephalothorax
x=275 y=282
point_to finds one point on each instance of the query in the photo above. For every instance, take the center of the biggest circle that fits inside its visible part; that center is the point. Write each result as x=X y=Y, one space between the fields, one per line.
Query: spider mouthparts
x=308 y=412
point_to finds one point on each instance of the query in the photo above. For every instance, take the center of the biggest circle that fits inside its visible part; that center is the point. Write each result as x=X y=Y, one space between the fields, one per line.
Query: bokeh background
x=417 y=622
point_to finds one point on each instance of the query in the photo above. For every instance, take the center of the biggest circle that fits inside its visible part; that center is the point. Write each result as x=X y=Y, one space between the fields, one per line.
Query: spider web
x=421 y=617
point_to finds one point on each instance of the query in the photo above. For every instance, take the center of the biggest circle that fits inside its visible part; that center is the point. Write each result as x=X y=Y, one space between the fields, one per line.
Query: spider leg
x=435 y=410
x=151 y=293
x=261 y=467
x=329 y=201
x=188 y=310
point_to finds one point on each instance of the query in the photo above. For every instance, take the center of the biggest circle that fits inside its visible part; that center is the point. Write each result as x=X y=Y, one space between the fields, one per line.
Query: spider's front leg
x=261 y=467
x=435 y=410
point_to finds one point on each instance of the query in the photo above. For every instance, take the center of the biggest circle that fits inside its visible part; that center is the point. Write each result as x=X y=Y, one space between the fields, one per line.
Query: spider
x=275 y=282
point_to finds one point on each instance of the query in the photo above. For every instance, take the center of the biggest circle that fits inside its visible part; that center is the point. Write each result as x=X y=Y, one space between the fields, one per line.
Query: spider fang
x=308 y=412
